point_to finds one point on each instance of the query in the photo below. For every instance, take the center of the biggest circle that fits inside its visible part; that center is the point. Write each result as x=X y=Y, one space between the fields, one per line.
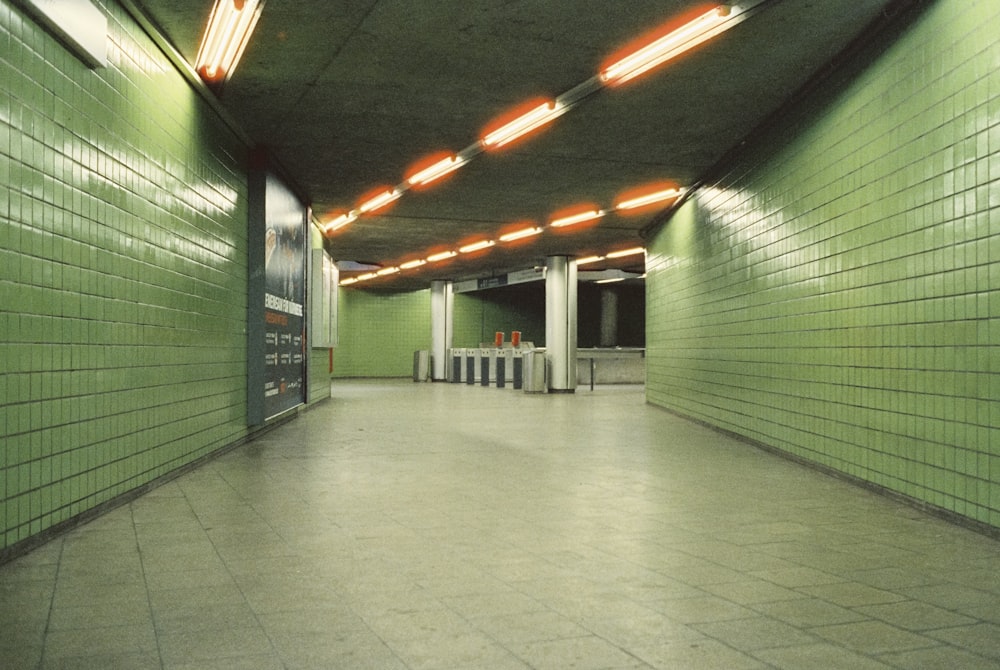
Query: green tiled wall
x=122 y=274
x=379 y=331
x=837 y=296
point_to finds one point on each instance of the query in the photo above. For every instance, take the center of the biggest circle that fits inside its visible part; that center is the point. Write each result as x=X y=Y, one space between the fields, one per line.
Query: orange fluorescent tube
x=535 y=118
x=387 y=271
x=578 y=218
x=666 y=47
x=435 y=171
x=409 y=265
x=627 y=252
x=349 y=281
x=367 y=276
x=340 y=221
x=379 y=201
x=648 y=199
x=226 y=37
x=589 y=259
x=520 y=234
x=444 y=255
x=476 y=246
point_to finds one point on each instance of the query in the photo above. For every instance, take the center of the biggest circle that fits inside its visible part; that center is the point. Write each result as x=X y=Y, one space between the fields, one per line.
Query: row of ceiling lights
x=636 y=60
x=633 y=200
x=229 y=30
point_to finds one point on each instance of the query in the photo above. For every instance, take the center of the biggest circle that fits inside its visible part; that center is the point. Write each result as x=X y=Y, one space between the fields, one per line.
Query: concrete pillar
x=442 y=319
x=609 y=318
x=560 y=323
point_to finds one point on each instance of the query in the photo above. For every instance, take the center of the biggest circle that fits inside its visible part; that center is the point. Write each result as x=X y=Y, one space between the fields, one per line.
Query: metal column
x=442 y=300
x=560 y=323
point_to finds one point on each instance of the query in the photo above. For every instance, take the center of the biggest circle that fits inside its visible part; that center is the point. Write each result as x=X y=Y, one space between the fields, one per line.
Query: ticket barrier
x=487 y=365
x=472 y=363
x=456 y=365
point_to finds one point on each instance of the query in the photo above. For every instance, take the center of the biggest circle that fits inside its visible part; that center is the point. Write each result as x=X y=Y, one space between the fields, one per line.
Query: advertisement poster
x=284 y=296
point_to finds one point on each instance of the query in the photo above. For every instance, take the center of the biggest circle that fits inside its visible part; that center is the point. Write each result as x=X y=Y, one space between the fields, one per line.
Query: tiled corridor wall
x=122 y=274
x=379 y=331
x=837 y=294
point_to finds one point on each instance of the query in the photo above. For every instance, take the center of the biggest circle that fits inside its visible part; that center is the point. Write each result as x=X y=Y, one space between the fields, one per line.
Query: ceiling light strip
x=229 y=28
x=380 y=201
x=577 y=218
x=444 y=255
x=626 y=252
x=476 y=246
x=524 y=124
x=521 y=234
x=667 y=47
x=436 y=171
x=649 y=199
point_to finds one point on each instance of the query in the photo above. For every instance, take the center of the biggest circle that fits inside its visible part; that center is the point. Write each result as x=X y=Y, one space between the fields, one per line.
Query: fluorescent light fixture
x=609 y=281
x=379 y=201
x=589 y=259
x=226 y=38
x=626 y=252
x=444 y=255
x=436 y=171
x=520 y=234
x=669 y=46
x=349 y=281
x=367 y=276
x=649 y=199
x=409 y=265
x=476 y=246
x=340 y=221
x=524 y=124
x=578 y=218
x=387 y=271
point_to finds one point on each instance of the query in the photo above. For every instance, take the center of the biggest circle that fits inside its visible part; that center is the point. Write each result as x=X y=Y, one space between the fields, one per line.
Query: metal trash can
x=535 y=380
x=421 y=365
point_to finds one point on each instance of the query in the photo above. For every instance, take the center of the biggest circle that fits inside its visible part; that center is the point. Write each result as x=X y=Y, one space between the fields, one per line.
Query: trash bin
x=535 y=380
x=421 y=365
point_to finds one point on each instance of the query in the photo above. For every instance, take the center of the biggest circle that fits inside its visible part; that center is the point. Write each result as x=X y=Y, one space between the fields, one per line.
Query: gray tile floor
x=405 y=525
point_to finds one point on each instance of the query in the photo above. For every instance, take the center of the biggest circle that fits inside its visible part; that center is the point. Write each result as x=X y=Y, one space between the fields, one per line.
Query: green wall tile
x=123 y=285
x=831 y=295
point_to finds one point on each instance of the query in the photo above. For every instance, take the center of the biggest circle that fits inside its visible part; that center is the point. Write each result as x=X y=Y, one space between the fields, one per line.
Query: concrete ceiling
x=349 y=94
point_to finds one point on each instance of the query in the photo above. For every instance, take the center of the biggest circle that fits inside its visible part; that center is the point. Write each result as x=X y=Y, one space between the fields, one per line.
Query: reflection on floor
x=404 y=525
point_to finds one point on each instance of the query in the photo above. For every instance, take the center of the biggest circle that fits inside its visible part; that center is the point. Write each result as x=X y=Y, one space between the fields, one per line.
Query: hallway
x=403 y=525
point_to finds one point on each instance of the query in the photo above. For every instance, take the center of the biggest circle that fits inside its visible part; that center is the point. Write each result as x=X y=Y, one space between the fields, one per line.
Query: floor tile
x=940 y=658
x=873 y=637
x=579 y=653
x=755 y=633
x=524 y=534
x=820 y=656
x=915 y=615
x=981 y=638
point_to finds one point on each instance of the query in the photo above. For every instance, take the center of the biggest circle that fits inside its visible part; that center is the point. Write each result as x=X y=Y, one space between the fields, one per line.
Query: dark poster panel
x=285 y=241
